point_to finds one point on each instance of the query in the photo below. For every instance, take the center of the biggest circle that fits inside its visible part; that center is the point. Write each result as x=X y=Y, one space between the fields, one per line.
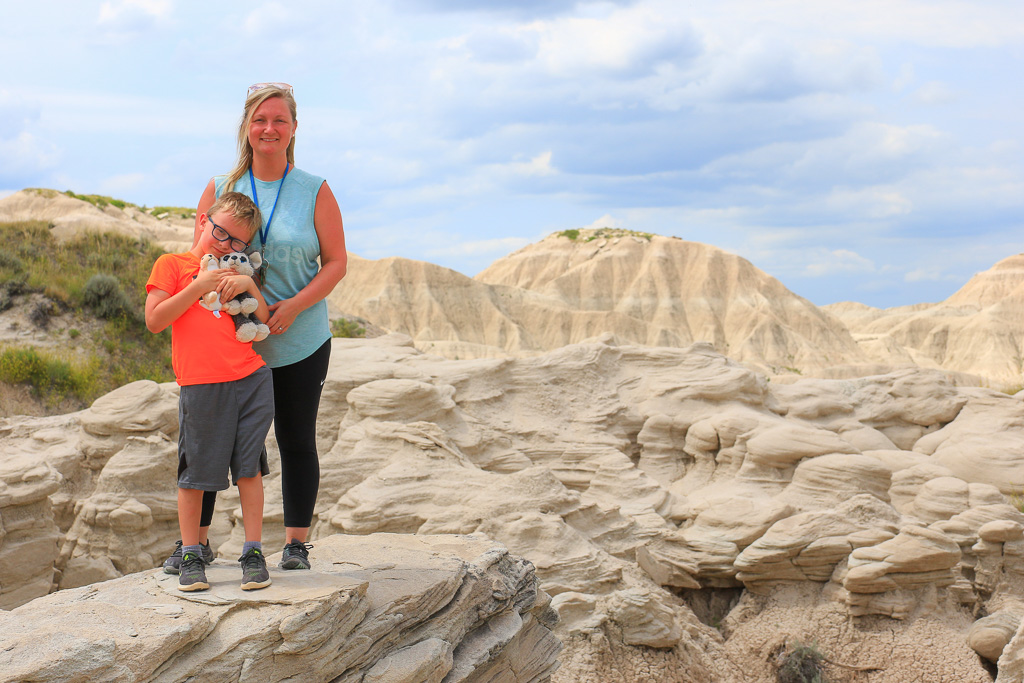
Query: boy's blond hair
x=241 y=208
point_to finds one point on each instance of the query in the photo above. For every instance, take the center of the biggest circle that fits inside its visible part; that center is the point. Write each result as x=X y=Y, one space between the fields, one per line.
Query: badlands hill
x=69 y=215
x=650 y=290
x=978 y=330
x=661 y=291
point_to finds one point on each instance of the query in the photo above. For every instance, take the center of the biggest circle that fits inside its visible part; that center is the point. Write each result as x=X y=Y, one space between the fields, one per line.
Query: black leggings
x=297 y=389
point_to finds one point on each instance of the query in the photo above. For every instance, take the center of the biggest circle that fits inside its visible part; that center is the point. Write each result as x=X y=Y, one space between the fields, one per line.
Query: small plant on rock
x=349 y=329
x=802 y=664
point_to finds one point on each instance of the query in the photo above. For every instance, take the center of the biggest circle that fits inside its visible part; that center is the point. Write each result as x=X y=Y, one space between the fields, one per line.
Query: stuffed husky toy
x=247 y=327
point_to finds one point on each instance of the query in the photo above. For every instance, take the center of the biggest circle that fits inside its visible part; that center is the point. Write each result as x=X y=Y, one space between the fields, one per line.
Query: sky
x=862 y=150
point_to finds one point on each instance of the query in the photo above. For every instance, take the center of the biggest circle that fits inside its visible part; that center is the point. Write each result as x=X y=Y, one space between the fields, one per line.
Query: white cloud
x=539 y=165
x=932 y=274
x=934 y=92
x=26 y=155
x=837 y=261
x=123 y=185
x=605 y=221
x=493 y=247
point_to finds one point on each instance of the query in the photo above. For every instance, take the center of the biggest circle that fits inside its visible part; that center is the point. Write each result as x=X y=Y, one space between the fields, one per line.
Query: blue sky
x=860 y=150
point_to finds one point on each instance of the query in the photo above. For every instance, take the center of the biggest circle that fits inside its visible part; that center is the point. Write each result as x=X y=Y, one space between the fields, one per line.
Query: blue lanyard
x=265 y=232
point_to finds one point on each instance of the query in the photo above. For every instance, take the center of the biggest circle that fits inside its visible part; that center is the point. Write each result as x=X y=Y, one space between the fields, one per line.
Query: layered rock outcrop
x=382 y=608
x=671 y=500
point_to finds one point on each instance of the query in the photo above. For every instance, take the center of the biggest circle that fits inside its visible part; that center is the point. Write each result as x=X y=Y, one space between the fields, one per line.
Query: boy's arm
x=163 y=308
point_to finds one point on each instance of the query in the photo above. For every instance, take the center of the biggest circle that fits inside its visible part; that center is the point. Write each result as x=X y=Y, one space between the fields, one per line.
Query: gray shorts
x=222 y=427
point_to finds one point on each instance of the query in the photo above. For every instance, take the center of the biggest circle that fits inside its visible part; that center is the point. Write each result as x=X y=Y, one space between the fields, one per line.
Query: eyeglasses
x=256 y=87
x=222 y=235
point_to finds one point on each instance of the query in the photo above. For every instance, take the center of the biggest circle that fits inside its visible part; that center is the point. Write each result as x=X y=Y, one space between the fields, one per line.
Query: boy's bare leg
x=250 y=491
x=190 y=507
x=204 y=535
x=254 y=564
x=191 y=574
x=298 y=533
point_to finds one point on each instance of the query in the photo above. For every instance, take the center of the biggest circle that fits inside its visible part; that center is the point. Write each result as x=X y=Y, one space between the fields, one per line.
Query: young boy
x=226 y=401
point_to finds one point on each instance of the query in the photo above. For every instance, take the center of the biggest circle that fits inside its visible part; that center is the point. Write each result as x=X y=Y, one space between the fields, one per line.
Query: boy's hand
x=233 y=285
x=209 y=280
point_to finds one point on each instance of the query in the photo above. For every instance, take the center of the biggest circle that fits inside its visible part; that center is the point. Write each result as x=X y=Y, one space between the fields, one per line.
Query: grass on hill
x=608 y=233
x=101 y=201
x=97 y=277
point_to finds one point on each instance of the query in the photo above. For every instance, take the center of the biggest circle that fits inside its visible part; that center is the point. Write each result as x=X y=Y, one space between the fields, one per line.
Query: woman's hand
x=282 y=315
x=233 y=285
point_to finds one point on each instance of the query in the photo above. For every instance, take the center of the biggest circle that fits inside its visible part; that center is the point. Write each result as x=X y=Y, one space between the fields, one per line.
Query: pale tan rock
x=390 y=606
x=828 y=480
x=29 y=539
x=990 y=635
x=907 y=482
x=809 y=545
x=645 y=619
x=787 y=444
x=124 y=525
x=982 y=444
x=941 y=498
x=1001 y=531
x=895 y=576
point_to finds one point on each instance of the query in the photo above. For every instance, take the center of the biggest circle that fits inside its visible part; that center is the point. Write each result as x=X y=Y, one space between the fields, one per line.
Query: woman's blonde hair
x=252 y=103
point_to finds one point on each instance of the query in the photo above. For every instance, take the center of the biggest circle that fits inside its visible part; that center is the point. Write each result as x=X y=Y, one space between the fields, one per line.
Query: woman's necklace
x=265 y=230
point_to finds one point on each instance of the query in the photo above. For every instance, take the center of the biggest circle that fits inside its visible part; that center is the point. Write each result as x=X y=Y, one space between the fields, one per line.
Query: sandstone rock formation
x=684 y=513
x=386 y=609
x=649 y=290
x=978 y=330
x=69 y=216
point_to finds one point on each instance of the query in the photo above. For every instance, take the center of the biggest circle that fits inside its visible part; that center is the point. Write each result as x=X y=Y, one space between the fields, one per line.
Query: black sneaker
x=192 y=573
x=295 y=555
x=172 y=563
x=254 y=570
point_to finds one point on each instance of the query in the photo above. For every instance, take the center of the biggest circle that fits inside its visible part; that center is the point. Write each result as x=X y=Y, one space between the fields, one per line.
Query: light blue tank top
x=291 y=251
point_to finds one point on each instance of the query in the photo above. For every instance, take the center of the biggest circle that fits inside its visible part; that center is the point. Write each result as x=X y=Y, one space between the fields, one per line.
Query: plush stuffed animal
x=247 y=326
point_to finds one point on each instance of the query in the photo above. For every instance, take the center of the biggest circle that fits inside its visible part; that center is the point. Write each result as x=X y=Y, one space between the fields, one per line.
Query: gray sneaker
x=192 y=573
x=173 y=563
x=254 y=570
x=295 y=555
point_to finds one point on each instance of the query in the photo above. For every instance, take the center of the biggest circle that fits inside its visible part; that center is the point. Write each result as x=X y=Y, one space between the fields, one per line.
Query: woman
x=302 y=223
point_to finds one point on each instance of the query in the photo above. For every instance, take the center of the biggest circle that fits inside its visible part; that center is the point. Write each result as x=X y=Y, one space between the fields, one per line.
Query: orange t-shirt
x=203 y=347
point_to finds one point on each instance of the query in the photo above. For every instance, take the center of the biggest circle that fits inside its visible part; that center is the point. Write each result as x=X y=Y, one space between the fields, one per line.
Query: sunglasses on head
x=256 y=87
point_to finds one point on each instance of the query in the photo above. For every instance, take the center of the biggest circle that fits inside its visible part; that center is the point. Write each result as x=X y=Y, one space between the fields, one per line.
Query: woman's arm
x=205 y=202
x=333 y=261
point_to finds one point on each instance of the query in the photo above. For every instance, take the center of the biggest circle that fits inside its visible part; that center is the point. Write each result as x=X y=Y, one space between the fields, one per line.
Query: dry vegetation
x=74 y=318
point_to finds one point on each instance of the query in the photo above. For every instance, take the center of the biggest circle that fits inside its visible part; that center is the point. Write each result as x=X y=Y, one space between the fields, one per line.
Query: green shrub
x=51 y=378
x=75 y=276
x=103 y=294
x=572 y=234
x=98 y=200
x=802 y=664
x=183 y=211
x=343 y=327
